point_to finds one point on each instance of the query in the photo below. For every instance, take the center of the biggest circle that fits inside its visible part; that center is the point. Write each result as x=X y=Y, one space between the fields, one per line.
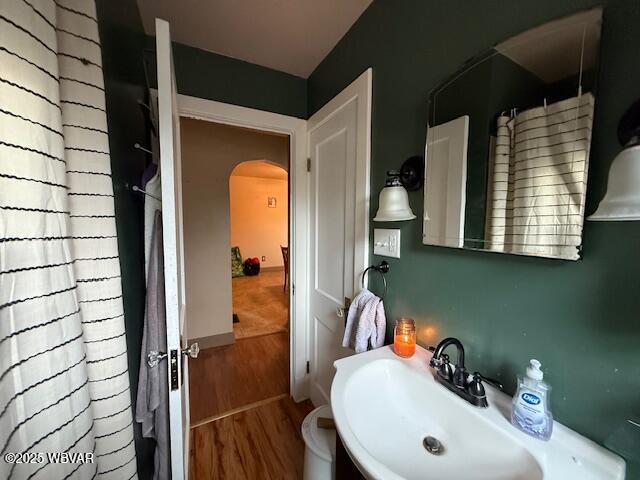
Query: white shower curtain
x=64 y=384
x=538 y=179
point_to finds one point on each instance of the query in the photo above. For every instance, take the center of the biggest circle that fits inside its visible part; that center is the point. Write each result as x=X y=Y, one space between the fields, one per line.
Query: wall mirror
x=508 y=140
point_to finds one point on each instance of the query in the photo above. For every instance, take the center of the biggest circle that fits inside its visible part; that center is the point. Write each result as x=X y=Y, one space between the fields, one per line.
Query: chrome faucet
x=457 y=379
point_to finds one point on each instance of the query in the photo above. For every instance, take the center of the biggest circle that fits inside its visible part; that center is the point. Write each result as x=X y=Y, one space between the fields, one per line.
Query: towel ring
x=382 y=268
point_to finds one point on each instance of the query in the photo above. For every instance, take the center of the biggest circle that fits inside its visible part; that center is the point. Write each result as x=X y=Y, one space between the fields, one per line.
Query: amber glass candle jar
x=404 y=337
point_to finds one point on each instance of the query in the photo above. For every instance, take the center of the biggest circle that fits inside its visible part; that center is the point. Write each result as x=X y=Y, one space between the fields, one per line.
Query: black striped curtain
x=64 y=384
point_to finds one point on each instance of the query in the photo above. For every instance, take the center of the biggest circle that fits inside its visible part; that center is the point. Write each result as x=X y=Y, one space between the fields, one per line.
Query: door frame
x=296 y=130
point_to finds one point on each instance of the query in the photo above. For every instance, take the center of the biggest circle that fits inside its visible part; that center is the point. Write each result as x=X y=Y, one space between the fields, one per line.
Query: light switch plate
x=386 y=242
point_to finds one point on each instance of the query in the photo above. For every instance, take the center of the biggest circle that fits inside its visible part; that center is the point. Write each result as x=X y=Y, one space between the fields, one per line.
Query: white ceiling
x=260 y=169
x=292 y=36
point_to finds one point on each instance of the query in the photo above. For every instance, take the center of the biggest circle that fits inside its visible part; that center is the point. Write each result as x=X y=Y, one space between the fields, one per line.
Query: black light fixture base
x=629 y=126
x=412 y=173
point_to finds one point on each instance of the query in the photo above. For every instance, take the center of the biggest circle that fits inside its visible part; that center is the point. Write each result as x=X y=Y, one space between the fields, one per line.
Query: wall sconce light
x=622 y=200
x=393 y=202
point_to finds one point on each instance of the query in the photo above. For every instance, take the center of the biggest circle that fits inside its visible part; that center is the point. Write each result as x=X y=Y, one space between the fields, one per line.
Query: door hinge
x=308 y=164
x=308 y=367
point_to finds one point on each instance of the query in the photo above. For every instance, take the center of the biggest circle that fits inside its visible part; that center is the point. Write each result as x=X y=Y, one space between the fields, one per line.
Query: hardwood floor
x=261 y=304
x=232 y=376
x=244 y=424
x=261 y=443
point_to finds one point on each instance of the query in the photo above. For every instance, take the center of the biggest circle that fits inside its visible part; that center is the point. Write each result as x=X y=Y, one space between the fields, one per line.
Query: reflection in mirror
x=508 y=143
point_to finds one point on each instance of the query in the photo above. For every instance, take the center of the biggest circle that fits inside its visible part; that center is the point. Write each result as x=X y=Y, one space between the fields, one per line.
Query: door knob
x=340 y=311
x=154 y=357
x=192 y=351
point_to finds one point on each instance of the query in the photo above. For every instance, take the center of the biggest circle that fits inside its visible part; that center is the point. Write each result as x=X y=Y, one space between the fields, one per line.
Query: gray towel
x=152 y=410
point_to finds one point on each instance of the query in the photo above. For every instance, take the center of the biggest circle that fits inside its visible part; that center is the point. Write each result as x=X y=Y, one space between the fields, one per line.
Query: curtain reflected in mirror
x=508 y=142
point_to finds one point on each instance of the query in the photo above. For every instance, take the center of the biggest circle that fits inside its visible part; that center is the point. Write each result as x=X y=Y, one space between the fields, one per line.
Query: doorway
x=295 y=130
x=259 y=206
x=235 y=200
x=236 y=224
x=306 y=170
x=176 y=189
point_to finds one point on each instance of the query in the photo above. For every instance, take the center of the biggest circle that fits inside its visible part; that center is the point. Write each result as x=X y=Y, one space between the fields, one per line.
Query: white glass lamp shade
x=393 y=205
x=622 y=200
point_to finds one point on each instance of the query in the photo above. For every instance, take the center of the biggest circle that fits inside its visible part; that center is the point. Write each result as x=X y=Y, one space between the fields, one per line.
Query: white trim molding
x=296 y=129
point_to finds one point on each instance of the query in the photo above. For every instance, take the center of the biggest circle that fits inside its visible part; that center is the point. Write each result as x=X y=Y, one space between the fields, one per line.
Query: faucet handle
x=442 y=366
x=445 y=369
x=436 y=362
x=476 y=388
x=490 y=381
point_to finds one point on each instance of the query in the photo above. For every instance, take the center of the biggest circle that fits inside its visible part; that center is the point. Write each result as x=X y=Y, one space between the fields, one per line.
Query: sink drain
x=433 y=445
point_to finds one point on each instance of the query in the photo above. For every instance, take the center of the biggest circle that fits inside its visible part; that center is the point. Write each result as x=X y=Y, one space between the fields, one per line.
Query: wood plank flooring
x=262 y=305
x=245 y=425
x=232 y=376
x=261 y=443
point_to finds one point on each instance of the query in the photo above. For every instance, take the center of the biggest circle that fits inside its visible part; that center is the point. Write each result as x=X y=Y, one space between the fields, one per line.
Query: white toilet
x=320 y=446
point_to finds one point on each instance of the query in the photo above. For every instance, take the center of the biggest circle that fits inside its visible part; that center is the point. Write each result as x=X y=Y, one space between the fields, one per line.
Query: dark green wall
x=204 y=74
x=581 y=319
x=123 y=40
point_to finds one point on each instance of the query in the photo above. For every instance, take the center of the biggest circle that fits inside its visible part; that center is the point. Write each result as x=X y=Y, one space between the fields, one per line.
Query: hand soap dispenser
x=530 y=412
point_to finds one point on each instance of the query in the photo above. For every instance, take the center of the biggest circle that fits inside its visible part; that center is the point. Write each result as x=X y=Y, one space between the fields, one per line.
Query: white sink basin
x=384 y=406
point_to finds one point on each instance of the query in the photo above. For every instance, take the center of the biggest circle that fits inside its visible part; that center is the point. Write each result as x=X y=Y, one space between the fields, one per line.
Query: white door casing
x=339 y=137
x=171 y=184
x=296 y=130
x=445 y=191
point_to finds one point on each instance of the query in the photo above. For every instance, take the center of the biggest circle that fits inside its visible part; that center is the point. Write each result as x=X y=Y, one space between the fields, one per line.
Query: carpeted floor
x=261 y=304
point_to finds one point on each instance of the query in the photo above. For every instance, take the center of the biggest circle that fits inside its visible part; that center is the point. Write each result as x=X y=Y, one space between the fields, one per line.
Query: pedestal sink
x=396 y=423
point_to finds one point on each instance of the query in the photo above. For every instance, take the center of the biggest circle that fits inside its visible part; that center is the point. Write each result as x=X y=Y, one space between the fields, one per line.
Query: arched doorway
x=259 y=219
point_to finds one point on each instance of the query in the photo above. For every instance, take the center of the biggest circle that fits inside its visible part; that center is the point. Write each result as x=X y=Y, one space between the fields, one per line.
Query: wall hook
x=140 y=147
x=136 y=188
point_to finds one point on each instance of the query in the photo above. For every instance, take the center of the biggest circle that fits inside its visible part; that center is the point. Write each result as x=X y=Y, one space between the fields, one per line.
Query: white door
x=445 y=187
x=170 y=175
x=339 y=150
